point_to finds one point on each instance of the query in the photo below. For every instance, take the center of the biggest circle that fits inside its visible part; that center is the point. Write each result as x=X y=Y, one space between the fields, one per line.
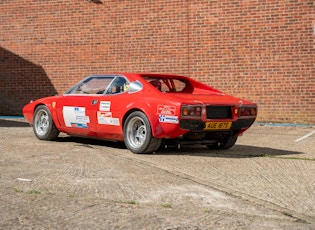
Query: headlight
x=248 y=111
x=191 y=111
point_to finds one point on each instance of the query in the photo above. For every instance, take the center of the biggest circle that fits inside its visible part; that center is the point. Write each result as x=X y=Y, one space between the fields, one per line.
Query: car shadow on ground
x=238 y=151
x=13 y=123
x=89 y=142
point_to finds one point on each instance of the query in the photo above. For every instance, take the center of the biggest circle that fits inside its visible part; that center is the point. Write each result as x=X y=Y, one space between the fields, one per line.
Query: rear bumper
x=197 y=125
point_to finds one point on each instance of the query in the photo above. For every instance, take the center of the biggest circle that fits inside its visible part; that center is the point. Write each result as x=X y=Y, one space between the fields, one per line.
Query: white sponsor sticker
x=168 y=119
x=105 y=106
x=83 y=119
x=105 y=118
x=75 y=117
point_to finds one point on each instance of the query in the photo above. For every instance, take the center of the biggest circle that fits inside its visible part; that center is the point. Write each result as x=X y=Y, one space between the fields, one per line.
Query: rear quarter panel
x=162 y=112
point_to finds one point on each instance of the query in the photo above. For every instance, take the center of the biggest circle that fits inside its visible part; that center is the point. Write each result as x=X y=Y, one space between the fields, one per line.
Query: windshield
x=101 y=85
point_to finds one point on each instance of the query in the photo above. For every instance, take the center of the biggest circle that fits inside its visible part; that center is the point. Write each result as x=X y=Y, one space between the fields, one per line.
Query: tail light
x=192 y=111
x=248 y=112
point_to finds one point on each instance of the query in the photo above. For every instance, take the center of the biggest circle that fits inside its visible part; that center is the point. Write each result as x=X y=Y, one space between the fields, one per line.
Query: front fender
x=29 y=109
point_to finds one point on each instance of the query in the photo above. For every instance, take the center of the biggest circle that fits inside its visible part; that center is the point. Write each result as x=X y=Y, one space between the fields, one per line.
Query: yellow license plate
x=217 y=125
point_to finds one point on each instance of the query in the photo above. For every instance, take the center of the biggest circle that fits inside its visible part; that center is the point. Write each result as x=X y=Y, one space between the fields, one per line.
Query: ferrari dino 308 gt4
x=144 y=111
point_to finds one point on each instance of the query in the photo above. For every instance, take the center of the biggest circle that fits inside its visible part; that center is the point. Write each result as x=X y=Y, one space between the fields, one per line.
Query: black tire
x=229 y=142
x=138 y=134
x=43 y=125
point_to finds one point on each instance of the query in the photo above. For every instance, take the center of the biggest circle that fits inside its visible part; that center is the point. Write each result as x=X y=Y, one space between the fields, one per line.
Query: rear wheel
x=138 y=134
x=43 y=125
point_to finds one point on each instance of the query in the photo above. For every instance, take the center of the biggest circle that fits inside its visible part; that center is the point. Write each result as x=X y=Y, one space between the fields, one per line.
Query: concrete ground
x=266 y=181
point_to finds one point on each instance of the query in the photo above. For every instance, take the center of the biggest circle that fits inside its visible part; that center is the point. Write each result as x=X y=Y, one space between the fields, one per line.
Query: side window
x=119 y=85
x=157 y=84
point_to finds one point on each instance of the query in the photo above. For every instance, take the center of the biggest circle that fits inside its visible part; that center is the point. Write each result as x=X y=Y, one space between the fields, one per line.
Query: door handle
x=94 y=102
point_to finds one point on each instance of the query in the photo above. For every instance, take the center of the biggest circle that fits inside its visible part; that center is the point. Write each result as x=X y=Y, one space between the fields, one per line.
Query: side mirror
x=135 y=86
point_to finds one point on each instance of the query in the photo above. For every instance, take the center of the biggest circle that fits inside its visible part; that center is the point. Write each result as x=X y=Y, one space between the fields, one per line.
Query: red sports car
x=144 y=111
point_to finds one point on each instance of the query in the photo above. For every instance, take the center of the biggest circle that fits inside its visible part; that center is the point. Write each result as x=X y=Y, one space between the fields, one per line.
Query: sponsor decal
x=75 y=117
x=105 y=118
x=83 y=119
x=78 y=125
x=168 y=119
x=166 y=109
x=105 y=106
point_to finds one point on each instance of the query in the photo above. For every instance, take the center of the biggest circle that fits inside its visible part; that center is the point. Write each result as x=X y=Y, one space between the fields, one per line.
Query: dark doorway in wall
x=20 y=82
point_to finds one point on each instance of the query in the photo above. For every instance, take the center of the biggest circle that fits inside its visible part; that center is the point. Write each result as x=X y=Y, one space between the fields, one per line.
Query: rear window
x=170 y=85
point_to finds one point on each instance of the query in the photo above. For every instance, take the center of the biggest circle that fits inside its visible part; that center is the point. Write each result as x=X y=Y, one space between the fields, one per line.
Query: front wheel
x=43 y=125
x=138 y=134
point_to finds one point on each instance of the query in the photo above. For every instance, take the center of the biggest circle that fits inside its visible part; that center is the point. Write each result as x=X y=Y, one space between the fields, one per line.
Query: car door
x=77 y=109
x=77 y=114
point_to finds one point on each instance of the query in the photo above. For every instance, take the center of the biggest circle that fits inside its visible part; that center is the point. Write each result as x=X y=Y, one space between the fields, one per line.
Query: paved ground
x=265 y=182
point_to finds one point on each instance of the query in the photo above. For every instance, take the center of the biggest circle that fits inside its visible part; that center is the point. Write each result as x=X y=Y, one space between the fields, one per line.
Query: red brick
x=259 y=50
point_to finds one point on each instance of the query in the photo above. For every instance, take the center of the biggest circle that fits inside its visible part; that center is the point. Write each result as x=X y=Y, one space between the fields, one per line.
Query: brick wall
x=259 y=50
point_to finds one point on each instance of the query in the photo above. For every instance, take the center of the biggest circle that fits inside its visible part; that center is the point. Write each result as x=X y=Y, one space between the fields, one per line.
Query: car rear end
x=212 y=124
